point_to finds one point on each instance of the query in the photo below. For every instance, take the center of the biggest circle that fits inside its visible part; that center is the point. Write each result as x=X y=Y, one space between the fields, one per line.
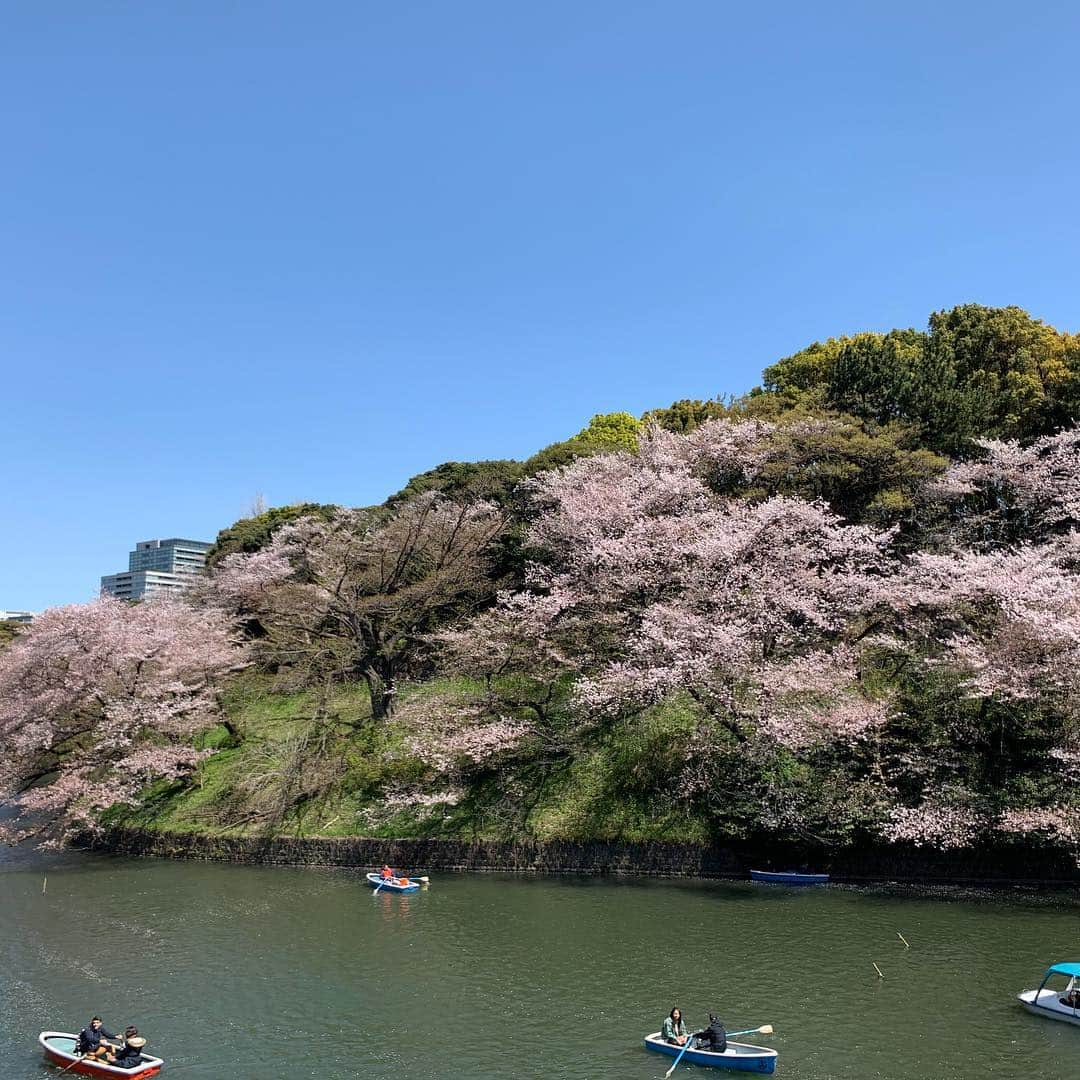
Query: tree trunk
x=379 y=676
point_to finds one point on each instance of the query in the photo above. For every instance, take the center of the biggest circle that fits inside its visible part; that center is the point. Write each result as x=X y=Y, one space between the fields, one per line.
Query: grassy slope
x=290 y=773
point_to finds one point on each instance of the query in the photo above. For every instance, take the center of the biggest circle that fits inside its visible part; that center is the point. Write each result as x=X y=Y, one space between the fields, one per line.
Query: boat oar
x=685 y=1047
x=75 y=1062
x=765 y=1029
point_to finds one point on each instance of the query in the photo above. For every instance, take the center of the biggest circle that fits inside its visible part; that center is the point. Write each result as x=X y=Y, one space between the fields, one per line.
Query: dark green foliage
x=941 y=740
x=254 y=533
x=864 y=471
x=605 y=433
x=686 y=415
x=977 y=371
x=494 y=480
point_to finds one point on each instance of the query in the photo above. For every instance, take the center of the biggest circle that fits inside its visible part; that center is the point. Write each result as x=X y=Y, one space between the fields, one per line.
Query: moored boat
x=788 y=877
x=59 y=1048
x=741 y=1057
x=394 y=884
x=1062 y=1003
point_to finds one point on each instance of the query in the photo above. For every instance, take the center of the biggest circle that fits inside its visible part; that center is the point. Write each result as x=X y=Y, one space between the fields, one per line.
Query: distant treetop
x=254 y=533
x=976 y=372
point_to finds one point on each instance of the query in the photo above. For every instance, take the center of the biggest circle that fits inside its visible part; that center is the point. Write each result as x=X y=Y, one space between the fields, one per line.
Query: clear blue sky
x=309 y=250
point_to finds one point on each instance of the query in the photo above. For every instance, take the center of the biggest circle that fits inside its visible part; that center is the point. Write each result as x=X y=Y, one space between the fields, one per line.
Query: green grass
x=617 y=787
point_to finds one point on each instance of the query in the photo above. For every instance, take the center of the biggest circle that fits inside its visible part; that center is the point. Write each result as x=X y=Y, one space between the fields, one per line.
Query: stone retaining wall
x=1004 y=865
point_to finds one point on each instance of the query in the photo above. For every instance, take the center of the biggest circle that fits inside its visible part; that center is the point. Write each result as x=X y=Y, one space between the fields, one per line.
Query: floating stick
x=881 y=974
x=903 y=939
x=44 y=884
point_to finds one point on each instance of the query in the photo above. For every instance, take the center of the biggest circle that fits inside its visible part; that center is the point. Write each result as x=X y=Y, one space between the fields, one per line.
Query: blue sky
x=309 y=250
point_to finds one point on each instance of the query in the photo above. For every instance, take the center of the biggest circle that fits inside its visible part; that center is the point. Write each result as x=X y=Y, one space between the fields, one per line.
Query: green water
x=247 y=972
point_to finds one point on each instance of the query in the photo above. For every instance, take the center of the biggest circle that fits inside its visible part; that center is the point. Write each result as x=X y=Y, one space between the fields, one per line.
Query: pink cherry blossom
x=106 y=696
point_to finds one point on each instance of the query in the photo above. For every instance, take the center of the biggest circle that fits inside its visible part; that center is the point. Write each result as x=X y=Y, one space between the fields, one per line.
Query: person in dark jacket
x=93 y=1040
x=130 y=1054
x=713 y=1038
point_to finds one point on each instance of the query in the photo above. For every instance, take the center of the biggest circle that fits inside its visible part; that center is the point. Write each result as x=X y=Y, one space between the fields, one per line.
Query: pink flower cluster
x=107 y=696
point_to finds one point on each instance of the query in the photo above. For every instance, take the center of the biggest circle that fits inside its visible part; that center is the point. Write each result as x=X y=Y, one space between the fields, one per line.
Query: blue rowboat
x=788 y=877
x=739 y=1056
x=393 y=884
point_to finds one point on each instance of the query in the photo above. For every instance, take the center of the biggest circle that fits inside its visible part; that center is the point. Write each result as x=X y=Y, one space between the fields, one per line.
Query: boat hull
x=377 y=882
x=1047 y=1003
x=788 y=877
x=59 y=1048
x=738 y=1057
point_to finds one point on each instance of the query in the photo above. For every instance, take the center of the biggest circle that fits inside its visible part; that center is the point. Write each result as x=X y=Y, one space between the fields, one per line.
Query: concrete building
x=156 y=567
x=16 y=616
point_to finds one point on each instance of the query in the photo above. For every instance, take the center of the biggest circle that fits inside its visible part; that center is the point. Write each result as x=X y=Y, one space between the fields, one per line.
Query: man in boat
x=130 y=1054
x=386 y=873
x=94 y=1041
x=713 y=1038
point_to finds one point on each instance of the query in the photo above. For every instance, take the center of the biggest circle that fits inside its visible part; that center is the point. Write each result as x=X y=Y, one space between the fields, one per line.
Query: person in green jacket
x=674 y=1028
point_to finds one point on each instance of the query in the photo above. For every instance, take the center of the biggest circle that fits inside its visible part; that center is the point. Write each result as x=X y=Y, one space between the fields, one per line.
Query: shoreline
x=998 y=867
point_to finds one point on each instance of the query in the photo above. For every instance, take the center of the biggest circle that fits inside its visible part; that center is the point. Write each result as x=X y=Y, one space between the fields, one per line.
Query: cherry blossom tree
x=1004 y=618
x=355 y=596
x=1009 y=619
x=100 y=698
x=1013 y=493
x=653 y=583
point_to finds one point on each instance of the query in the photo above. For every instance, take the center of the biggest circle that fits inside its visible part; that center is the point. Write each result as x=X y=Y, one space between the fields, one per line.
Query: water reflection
x=394 y=905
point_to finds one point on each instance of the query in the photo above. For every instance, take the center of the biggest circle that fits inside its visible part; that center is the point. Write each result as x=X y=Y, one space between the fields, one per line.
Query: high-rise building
x=16 y=616
x=158 y=566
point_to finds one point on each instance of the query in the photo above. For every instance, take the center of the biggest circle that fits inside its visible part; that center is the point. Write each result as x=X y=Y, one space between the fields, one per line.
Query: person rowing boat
x=95 y=1040
x=713 y=1038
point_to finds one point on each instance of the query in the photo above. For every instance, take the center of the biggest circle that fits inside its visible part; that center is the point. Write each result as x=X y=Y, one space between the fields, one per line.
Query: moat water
x=246 y=972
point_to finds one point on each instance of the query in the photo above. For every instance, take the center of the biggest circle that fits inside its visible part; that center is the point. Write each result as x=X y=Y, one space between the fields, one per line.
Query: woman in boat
x=712 y=1038
x=674 y=1028
x=130 y=1054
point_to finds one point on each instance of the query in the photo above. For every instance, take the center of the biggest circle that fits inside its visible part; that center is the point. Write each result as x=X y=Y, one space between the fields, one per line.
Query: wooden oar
x=765 y=1029
x=75 y=1062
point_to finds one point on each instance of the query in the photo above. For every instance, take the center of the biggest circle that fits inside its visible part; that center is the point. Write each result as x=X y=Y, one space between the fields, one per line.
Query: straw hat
x=137 y=1041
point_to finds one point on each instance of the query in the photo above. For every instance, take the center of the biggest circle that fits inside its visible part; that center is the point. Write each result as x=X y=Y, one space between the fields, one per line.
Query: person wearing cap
x=93 y=1040
x=130 y=1054
x=713 y=1038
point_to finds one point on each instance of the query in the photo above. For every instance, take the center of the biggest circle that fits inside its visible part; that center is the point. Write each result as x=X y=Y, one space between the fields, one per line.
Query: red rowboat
x=59 y=1047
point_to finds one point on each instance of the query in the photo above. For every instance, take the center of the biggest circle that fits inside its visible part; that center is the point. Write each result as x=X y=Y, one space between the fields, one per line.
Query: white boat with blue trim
x=1056 y=1002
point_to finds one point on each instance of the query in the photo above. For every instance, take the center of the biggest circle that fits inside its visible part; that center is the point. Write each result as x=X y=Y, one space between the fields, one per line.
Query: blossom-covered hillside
x=844 y=609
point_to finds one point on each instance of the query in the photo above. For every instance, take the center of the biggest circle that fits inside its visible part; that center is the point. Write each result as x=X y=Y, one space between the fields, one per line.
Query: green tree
x=978 y=371
x=254 y=533
x=605 y=433
x=494 y=480
x=687 y=415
